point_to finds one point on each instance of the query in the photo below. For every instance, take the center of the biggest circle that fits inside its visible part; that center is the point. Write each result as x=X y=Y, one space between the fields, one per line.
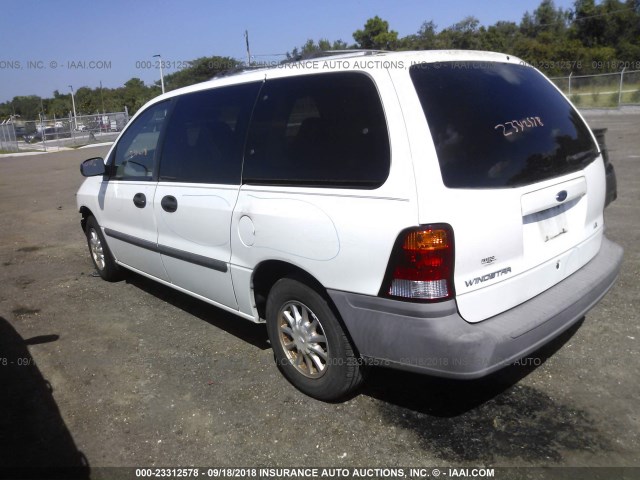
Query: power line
x=603 y=14
x=580 y=19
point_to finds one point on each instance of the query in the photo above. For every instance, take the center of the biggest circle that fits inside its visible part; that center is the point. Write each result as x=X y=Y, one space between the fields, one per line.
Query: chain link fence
x=602 y=91
x=48 y=134
x=8 y=140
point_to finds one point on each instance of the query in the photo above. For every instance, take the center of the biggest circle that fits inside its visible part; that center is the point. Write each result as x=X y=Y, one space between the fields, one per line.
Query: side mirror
x=92 y=167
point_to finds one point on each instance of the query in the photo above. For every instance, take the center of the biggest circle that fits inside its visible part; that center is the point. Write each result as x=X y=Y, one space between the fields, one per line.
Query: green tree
x=623 y=22
x=376 y=35
x=588 y=26
x=5 y=111
x=501 y=37
x=87 y=101
x=425 y=39
x=611 y=23
x=26 y=106
x=465 y=35
x=200 y=70
x=136 y=94
x=545 y=18
x=311 y=48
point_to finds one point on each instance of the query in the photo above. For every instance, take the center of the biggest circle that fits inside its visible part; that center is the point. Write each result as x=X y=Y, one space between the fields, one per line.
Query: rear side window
x=205 y=135
x=324 y=130
x=499 y=125
x=135 y=154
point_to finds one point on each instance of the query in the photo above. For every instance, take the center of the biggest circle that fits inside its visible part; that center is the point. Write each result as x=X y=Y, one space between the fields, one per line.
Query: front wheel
x=309 y=344
x=101 y=256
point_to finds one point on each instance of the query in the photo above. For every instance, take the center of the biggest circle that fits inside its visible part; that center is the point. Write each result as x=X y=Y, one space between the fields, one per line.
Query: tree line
x=132 y=95
x=586 y=39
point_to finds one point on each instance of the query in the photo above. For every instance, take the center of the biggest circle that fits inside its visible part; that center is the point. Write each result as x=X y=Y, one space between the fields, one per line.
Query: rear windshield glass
x=499 y=125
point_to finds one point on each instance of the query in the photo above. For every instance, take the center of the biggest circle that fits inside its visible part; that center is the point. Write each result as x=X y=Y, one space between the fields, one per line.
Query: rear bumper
x=435 y=339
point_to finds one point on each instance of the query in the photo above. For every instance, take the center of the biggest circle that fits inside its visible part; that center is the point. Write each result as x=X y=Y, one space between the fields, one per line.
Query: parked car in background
x=21 y=131
x=49 y=133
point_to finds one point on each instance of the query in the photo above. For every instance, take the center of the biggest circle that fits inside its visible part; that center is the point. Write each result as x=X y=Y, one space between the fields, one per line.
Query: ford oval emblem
x=561 y=196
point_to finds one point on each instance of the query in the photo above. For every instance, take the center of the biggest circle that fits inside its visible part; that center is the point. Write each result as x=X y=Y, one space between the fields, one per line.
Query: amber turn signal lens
x=426 y=240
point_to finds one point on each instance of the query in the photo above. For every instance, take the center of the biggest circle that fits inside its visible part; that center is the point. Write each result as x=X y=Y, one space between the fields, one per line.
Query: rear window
x=499 y=125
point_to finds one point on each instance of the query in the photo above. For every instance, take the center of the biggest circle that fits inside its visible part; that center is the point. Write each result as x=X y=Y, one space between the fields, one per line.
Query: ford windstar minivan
x=437 y=211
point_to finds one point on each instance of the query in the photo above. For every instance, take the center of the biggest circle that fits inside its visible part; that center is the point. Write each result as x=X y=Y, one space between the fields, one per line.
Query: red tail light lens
x=421 y=265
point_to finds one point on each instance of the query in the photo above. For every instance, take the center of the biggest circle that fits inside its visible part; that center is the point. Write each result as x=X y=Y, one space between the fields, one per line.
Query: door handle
x=139 y=200
x=169 y=203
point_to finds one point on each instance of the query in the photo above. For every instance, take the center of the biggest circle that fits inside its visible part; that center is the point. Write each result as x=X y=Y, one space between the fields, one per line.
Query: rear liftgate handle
x=169 y=203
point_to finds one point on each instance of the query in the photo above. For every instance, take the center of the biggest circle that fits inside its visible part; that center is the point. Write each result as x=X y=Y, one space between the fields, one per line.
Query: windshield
x=499 y=124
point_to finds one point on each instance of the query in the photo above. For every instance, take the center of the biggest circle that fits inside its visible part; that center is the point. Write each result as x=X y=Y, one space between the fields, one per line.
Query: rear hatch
x=521 y=186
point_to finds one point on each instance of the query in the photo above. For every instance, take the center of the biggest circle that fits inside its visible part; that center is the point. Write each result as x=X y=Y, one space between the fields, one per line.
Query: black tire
x=302 y=363
x=100 y=254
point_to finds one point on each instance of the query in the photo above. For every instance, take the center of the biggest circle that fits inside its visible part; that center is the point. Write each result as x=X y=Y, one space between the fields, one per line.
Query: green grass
x=18 y=151
x=604 y=95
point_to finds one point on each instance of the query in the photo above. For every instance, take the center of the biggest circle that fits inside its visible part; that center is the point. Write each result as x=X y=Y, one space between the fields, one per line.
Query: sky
x=52 y=45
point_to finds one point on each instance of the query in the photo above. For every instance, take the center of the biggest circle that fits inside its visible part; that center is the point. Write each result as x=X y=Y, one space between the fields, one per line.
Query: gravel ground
x=135 y=374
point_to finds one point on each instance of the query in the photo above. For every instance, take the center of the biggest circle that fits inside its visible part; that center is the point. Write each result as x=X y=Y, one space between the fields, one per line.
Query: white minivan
x=437 y=211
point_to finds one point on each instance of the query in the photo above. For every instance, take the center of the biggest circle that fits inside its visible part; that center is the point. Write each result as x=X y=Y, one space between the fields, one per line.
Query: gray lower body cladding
x=435 y=339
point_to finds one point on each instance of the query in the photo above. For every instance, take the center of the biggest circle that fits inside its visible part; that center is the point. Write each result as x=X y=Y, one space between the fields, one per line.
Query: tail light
x=421 y=265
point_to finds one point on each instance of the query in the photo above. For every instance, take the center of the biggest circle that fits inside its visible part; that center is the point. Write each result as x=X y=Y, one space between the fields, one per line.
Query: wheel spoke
x=287 y=316
x=299 y=359
x=296 y=314
x=318 y=363
x=303 y=339
x=304 y=316
x=289 y=346
x=318 y=339
x=317 y=350
x=287 y=331
x=314 y=324
x=309 y=363
x=97 y=252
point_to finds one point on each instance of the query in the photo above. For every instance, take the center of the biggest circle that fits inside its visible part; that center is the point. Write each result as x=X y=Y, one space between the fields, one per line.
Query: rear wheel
x=101 y=256
x=309 y=344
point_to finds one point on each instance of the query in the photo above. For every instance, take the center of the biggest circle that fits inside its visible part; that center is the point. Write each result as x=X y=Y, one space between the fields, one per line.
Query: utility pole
x=620 y=89
x=570 y=74
x=73 y=103
x=161 y=74
x=246 y=38
x=101 y=97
